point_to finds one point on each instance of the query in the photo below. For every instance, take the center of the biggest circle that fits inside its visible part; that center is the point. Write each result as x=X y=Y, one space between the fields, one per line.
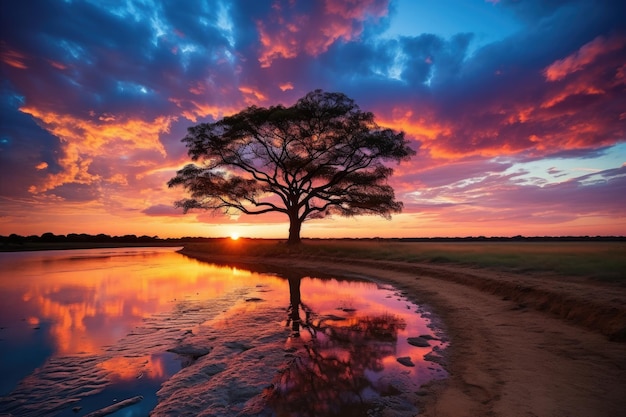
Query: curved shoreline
x=511 y=353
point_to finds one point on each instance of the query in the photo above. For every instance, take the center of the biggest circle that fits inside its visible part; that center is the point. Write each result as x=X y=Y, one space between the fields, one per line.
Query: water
x=85 y=329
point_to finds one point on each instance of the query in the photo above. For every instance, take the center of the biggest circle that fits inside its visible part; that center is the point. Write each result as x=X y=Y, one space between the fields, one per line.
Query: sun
x=234 y=236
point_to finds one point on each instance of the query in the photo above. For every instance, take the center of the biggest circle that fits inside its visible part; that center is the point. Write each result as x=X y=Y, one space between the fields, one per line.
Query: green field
x=605 y=261
x=597 y=260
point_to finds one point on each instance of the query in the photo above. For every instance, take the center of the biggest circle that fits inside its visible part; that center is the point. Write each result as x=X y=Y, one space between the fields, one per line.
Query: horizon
x=237 y=237
x=515 y=111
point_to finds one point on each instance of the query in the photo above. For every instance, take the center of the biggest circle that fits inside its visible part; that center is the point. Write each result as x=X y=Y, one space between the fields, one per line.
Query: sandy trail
x=521 y=346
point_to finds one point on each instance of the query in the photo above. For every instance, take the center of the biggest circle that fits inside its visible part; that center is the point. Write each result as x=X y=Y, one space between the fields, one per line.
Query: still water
x=82 y=330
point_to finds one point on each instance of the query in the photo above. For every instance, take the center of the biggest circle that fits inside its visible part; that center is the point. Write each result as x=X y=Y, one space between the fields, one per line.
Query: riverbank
x=520 y=344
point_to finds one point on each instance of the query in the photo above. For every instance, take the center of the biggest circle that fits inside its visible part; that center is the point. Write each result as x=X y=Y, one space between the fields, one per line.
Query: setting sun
x=234 y=236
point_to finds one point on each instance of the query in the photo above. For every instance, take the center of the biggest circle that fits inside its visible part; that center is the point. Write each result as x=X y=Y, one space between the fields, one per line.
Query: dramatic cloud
x=586 y=55
x=291 y=30
x=519 y=131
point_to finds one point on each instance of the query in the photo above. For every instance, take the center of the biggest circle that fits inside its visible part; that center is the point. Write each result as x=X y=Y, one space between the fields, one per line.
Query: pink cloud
x=587 y=54
x=193 y=109
x=252 y=95
x=288 y=32
x=11 y=57
x=533 y=117
x=505 y=201
x=167 y=210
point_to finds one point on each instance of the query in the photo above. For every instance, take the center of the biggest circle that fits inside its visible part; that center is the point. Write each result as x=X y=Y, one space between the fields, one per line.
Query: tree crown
x=319 y=157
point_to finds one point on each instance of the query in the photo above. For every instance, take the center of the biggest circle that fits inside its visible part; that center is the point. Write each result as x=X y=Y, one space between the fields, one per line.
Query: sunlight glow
x=234 y=236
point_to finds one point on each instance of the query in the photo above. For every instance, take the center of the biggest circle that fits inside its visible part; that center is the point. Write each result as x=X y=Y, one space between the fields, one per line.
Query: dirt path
x=514 y=350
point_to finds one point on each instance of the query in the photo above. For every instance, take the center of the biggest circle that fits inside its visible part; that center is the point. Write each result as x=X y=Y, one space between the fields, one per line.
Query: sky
x=516 y=109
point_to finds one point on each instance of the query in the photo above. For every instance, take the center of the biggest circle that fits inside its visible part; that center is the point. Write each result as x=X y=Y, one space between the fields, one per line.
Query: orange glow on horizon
x=427 y=223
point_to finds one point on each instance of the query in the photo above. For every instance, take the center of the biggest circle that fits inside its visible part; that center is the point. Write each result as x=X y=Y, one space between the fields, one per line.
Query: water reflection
x=90 y=299
x=341 y=348
x=295 y=304
x=331 y=377
x=336 y=373
x=100 y=318
x=96 y=326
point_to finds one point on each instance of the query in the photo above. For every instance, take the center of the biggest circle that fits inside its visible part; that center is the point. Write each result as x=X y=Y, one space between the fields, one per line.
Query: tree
x=322 y=156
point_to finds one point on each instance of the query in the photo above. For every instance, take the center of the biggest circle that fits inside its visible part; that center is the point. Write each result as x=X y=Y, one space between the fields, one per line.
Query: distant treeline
x=78 y=240
x=14 y=241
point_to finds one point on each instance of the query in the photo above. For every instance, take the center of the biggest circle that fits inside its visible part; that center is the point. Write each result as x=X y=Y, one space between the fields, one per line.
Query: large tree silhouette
x=319 y=157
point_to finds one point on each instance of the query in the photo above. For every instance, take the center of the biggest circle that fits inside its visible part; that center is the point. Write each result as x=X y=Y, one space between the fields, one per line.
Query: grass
x=603 y=261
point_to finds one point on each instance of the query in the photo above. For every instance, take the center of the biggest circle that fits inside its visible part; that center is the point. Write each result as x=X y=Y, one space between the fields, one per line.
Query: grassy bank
x=605 y=261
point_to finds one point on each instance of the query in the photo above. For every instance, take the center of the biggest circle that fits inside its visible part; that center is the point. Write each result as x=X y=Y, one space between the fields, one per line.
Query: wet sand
x=520 y=345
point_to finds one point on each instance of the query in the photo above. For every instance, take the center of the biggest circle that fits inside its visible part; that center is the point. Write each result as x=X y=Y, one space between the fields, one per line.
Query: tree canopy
x=322 y=156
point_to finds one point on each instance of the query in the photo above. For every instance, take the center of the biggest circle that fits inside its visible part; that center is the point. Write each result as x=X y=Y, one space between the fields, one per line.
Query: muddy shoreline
x=520 y=345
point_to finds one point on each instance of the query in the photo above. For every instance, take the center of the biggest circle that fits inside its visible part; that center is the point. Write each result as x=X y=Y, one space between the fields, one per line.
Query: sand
x=520 y=345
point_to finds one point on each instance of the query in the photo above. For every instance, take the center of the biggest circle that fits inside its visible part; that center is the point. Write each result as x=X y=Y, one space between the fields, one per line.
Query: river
x=81 y=330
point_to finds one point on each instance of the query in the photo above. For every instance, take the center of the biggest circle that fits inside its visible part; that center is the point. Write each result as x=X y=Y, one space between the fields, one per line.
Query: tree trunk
x=295 y=224
x=294 y=305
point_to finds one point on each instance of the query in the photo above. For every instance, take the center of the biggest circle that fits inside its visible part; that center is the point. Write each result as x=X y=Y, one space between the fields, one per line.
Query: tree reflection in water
x=334 y=371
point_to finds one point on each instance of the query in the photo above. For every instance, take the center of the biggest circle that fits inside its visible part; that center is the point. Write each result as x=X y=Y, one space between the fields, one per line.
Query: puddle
x=197 y=339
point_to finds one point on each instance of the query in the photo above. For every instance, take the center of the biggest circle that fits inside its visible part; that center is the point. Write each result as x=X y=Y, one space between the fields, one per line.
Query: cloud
x=586 y=55
x=83 y=141
x=514 y=113
x=96 y=99
x=11 y=57
x=75 y=192
x=555 y=172
x=25 y=147
x=312 y=27
x=496 y=197
x=163 y=210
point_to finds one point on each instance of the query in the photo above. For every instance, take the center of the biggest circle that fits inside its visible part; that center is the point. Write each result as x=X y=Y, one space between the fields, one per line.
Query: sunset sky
x=516 y=109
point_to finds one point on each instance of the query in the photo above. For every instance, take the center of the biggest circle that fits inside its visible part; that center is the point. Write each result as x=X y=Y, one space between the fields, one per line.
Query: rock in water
x=418 y=341
x=406 y=361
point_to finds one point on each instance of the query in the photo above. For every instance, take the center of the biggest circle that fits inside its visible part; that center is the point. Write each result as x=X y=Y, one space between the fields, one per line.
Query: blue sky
x=485 y=20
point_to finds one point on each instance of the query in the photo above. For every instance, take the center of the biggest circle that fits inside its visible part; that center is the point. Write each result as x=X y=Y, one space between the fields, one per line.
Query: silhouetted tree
x=319 y=157
x=327 y=376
